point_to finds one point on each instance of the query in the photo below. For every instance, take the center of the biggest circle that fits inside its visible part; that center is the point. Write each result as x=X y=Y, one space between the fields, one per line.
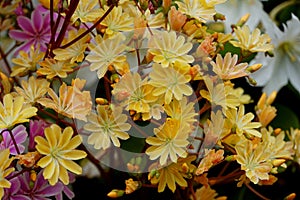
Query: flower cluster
x=142 y=86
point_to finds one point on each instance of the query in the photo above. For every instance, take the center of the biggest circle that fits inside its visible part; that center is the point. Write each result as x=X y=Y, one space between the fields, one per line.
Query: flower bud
x=115 y=193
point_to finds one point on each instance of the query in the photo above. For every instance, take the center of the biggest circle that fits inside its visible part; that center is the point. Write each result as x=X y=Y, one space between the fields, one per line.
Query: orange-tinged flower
x=71 y=102
x=228 y=68
x=211 y=158
x=33 y=89
x=5 y=170
x=176 y=19
x=58 y=150
x=208 y=193
x=264 y=111
x=13 y=111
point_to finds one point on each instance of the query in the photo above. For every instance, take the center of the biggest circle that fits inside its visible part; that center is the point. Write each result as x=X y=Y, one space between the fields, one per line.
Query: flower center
x=288 y=48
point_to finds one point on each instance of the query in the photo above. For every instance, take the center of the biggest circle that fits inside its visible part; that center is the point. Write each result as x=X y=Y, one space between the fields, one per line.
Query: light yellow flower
x=170 y=142
x=183 y=111
x=134 y=93
x=5 y=170
x=107 y=125
x=26 y=62
x=218 y=93
x=116 y=21
x=106 y=52
x=168 y=48
x=280 y=150
x=198 y=9
x=86 y=11
x=253 y=160
x=241 y=122
x=52 y=68
x=253 y=42
x=14 y=111
x=33 y=89
x=208 y=193
x=172 y=174
x=176 y=86
x=75 y=52
x=228 y=68
x=59 y=152
x=72 y=101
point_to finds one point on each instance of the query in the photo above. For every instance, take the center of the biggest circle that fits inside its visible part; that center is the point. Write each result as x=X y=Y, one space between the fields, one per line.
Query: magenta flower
x=20 y=134
x=36 y=128
x=41 y=190
x=35 y=31
x=13 y=193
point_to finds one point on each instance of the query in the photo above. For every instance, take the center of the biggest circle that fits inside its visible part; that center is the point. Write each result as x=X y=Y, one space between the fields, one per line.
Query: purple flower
x=35 y=31
x=36 y=128
x=67 y=191
x=12 y=193
x=20 y=134
x=41 y=189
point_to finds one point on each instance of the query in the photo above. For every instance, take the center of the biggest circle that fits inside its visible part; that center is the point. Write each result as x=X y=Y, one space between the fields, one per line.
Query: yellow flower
x=75 y=52
x=198 y=9
x=208 y=193
x=14 y=111
x=106 y=52
x=5 y=170
x=253 y=160
x=136 y=94
x=87 y=11
x=218 y=94
x=116 y=21
x=253 y=42
x=51 y=68
x=177 y=84
x=6 y=84
x=33 y=89
x=46 y=3
x=280 y=150
x=59 y=152
x=107 y=126
x=241 y=122
x=228 y=68
x=170 y=142
x=26 y=62
x=72 y=101
x=168 y=48
x=171 y=174
x=264 y=111
x=183 y=111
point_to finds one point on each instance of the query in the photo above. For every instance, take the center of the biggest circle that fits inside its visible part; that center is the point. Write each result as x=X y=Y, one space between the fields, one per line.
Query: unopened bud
x=243 y=20
x=115 y=193
x=114 y=78
x=290 y=196
x=101 y=101
x=252 y=81
x=219 y=16
x=230 y=158
x=185 y=168
x=278 y=162
x=272 y=97
x=254 y=68
x=277 y=131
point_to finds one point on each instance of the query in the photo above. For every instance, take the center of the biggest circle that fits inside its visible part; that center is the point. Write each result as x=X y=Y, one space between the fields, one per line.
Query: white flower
x=235 y=9
x=277 y=71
